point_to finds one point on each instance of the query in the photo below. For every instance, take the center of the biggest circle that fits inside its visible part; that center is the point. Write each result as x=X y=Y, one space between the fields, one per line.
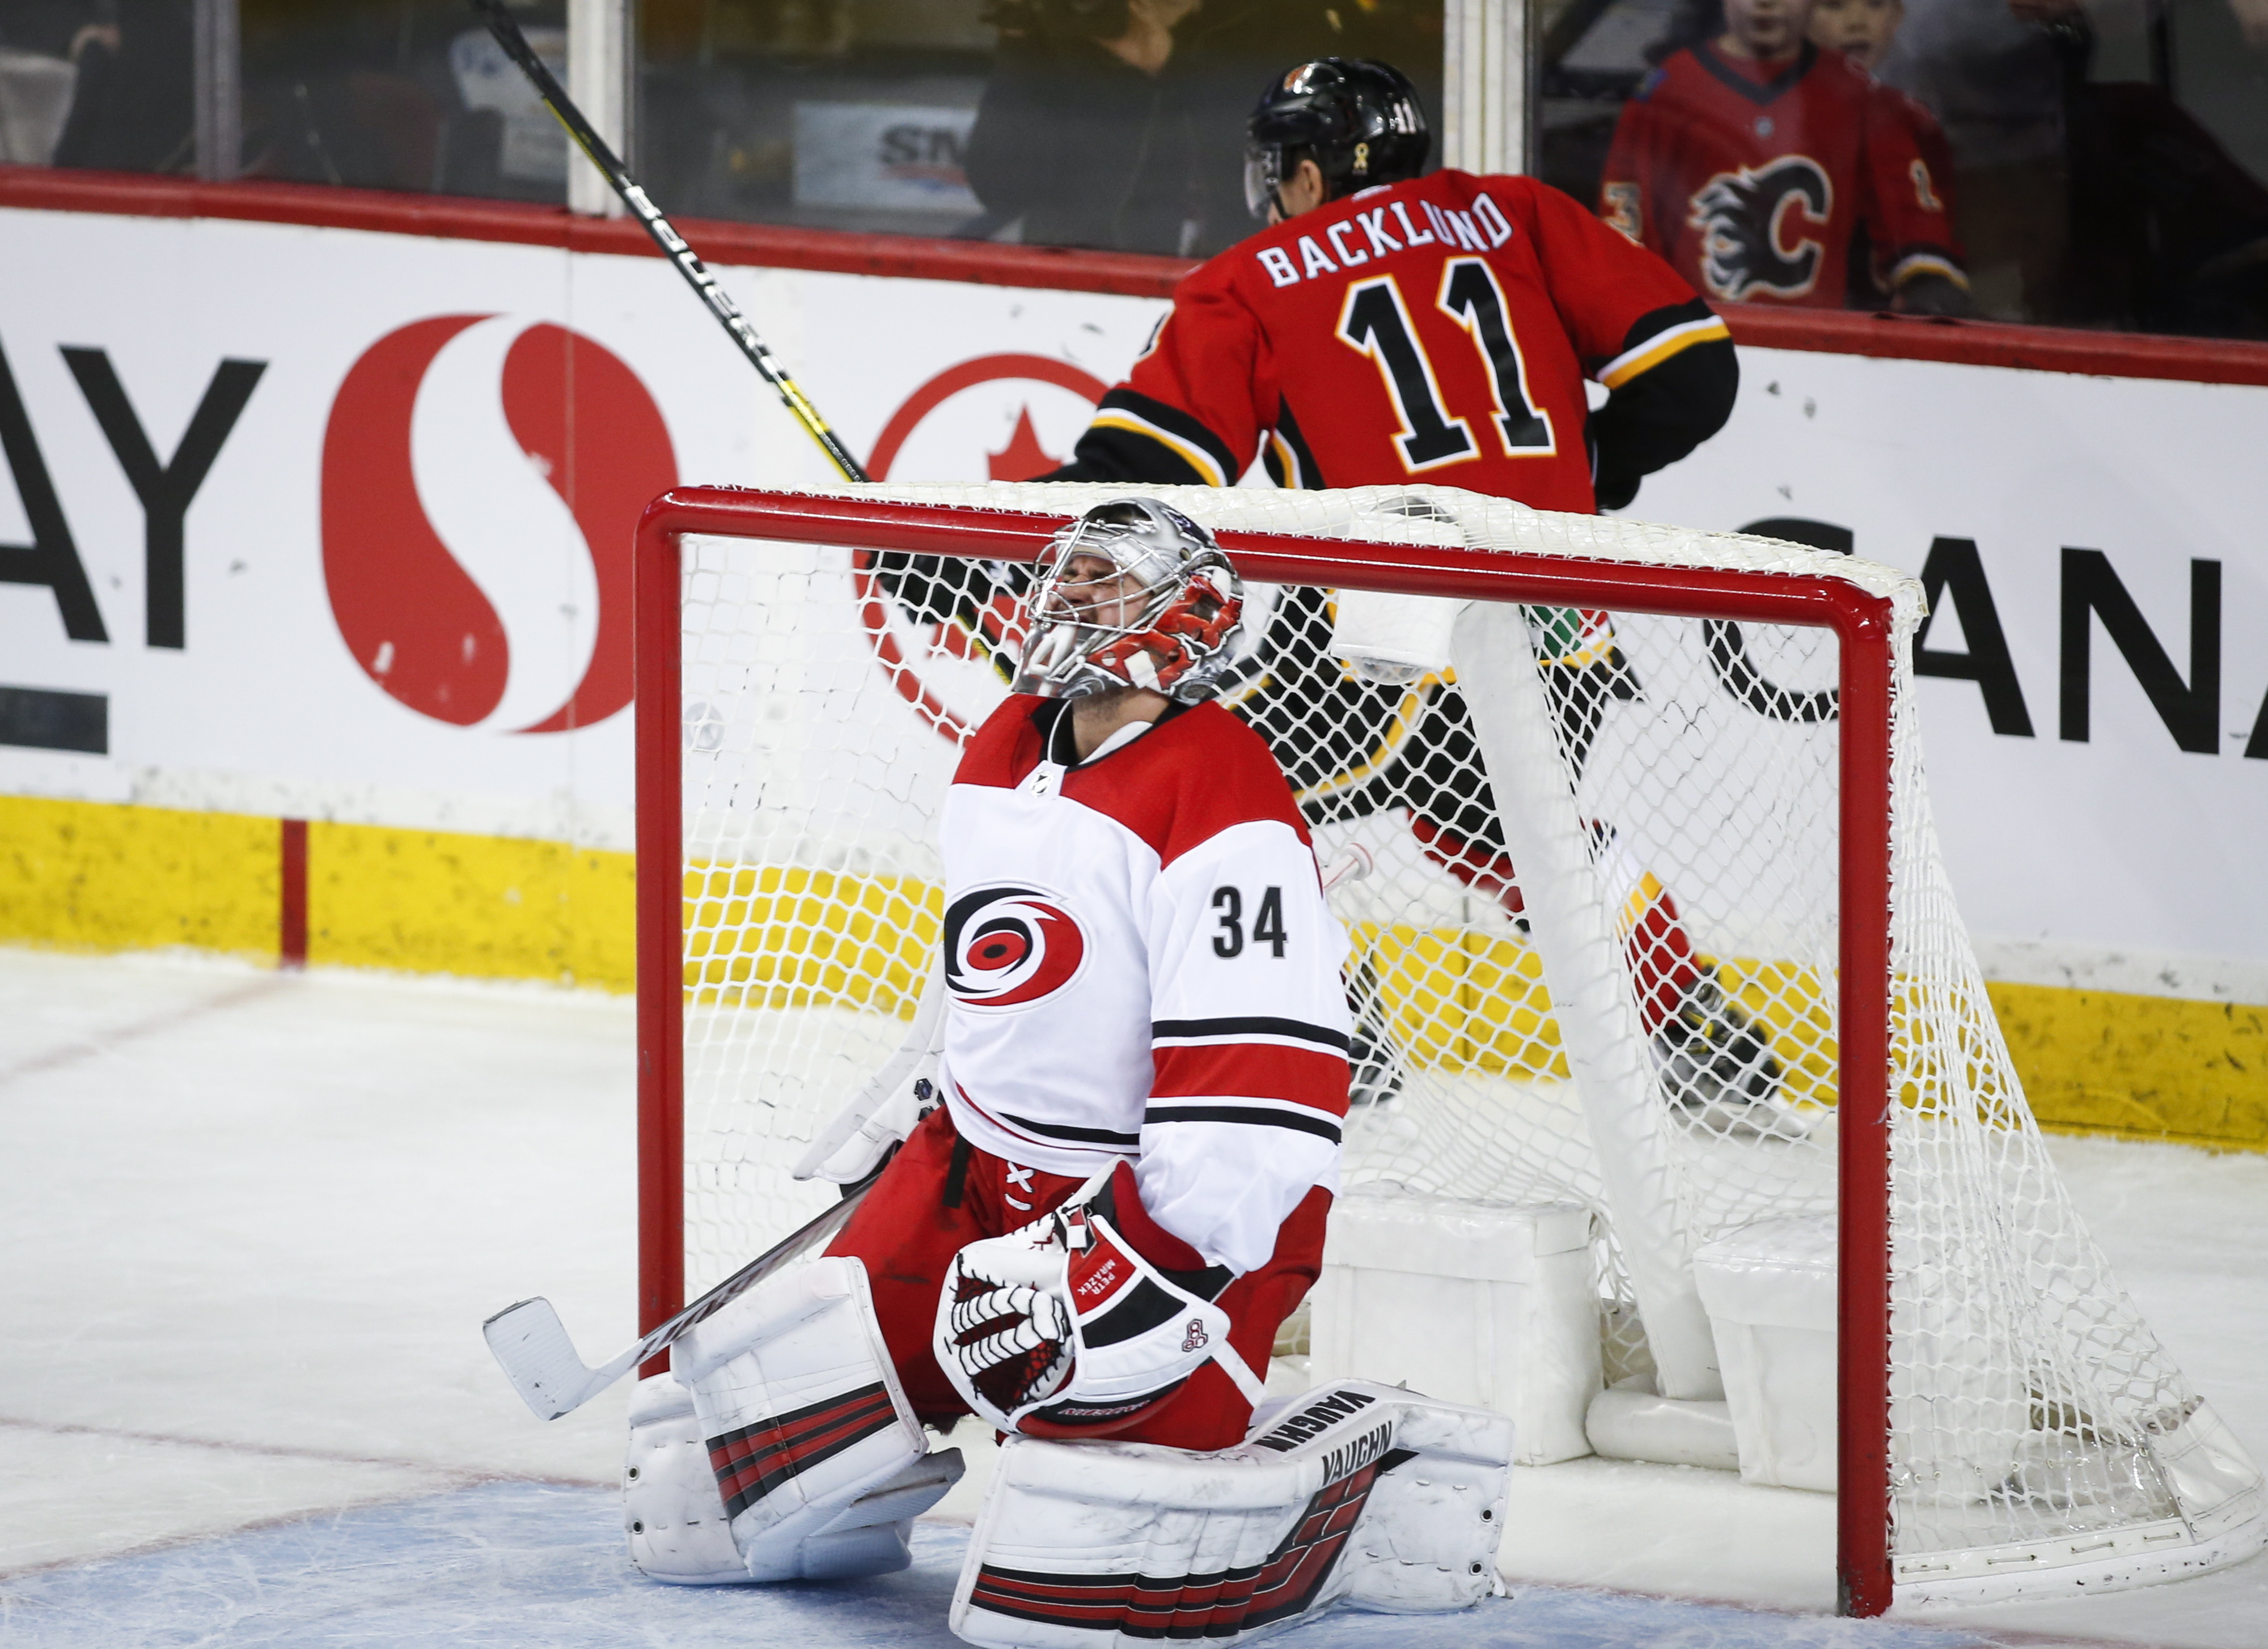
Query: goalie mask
x=1131 y=594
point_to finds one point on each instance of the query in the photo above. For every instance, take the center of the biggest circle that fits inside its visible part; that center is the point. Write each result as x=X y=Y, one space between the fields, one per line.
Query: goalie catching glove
x=1065 y=1327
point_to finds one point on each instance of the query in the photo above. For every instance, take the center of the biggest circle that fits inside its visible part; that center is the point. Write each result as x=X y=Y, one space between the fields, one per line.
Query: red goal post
x=1862 y=624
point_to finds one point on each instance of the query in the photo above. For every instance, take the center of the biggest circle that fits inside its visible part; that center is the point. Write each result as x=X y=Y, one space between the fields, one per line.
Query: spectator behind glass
x=1235 y=50
x=1084 y=131
x=1862 y=30
x=134 y=109
x=1990 y=72
x=2169 y=231
x=2084 y=203
x=1766 y=170
x=1119 y=123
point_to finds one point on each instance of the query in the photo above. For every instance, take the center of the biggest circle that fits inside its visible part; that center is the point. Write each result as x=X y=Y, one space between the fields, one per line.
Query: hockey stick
x=530 y=1343
x=532 y=1347
x=673 y=245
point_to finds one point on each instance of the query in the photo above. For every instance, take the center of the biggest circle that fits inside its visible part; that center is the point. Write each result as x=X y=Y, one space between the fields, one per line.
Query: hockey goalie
x=1112 y=1186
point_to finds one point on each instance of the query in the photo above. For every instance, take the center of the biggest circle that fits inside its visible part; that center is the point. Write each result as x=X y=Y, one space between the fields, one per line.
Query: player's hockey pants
x=939 y=1194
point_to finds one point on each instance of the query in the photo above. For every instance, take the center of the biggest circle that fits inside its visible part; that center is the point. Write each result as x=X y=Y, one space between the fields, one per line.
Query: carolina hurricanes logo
x=476 y=535
x=1007 y=946
x=1753 y=225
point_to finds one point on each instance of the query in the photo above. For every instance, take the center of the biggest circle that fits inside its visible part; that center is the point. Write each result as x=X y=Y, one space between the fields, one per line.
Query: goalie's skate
x=1716 y=1067
x=1373 y=1068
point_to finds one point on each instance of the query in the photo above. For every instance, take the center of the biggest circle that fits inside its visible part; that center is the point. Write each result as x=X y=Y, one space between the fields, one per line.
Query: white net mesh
x=1678 y=806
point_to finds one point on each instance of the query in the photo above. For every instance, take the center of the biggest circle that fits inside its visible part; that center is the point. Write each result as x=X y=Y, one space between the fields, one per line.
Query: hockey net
x=1597 y=956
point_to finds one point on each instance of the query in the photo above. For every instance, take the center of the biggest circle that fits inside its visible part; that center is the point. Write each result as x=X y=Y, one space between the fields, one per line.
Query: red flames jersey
x=1755 y=187
x=1437 y=329
x=1142 y=967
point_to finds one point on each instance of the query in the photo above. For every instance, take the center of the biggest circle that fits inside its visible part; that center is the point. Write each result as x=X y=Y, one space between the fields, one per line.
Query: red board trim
x=292 y=917
x=1987 y=343
x=759 y=246
x=983 y=262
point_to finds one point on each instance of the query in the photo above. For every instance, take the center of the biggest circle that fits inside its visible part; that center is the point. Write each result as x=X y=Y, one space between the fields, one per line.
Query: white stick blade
x=532 y=1347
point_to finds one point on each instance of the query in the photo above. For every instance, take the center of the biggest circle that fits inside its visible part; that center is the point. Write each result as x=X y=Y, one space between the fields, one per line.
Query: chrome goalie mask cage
x=1170 y=625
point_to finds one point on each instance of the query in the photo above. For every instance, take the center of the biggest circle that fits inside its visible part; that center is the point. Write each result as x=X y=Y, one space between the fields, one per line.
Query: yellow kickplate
x=2097 y=1062
x=94 y=876
x=100 y=876
x=493 y=906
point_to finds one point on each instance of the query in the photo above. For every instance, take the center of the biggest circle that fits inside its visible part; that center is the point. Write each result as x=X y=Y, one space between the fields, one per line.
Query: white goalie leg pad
x=818 y=1461
x=1357 y=1493
x=671 y=1510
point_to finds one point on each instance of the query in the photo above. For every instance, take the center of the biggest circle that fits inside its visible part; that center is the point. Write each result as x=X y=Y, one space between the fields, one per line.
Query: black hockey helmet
x=1356 y=118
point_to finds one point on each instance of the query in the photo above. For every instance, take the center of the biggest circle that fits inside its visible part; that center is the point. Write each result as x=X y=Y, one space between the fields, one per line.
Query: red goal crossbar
x=1861 y=623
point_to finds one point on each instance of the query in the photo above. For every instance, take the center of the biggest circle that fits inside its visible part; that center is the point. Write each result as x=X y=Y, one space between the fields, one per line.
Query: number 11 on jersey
x=1375 y=322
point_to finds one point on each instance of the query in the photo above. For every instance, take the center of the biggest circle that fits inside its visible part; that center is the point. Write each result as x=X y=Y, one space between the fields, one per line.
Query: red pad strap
x=1147 y=1238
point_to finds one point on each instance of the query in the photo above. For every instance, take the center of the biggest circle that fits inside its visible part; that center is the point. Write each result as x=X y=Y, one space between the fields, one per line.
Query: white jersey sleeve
x=1249 y=1039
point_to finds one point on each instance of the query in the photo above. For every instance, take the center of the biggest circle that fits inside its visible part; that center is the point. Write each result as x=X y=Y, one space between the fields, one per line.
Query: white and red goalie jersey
x=1142 y=966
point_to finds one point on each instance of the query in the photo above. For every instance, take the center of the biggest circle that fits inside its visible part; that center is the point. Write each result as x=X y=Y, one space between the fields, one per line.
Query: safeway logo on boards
x=481 y=479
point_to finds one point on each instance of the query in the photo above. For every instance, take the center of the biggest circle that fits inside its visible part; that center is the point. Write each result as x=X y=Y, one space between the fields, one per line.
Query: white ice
x=251 y=1223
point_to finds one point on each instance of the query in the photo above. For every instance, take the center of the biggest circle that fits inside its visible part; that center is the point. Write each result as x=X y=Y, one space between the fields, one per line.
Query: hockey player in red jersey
x=1393 y=326
x=1754 y=163
x=1390 y=326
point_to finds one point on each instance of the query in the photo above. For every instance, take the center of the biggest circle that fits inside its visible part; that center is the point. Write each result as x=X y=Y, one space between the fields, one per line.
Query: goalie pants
x=941 y=1194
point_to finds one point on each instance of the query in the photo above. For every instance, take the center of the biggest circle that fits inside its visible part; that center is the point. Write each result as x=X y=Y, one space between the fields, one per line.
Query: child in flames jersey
x=1753 y=176
x=1434 y=329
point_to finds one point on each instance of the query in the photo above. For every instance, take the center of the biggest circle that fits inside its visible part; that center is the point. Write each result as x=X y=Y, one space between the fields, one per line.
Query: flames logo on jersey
x=1749 y=245
x=1009 y=947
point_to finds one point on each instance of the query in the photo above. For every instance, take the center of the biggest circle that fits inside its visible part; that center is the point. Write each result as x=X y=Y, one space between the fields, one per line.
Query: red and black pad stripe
x=757 y=1459
x=1222 y=1604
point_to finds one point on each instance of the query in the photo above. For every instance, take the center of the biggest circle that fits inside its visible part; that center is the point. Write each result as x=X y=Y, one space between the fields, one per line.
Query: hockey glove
x=1064 y=1328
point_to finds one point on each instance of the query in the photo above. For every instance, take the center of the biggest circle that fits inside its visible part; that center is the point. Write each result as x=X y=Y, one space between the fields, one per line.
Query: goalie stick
x=532 y=1346
x=673 y=245
x=530 y=1343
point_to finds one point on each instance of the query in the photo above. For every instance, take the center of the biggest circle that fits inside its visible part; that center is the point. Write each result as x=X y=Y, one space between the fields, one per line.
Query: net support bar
x=1862 y=624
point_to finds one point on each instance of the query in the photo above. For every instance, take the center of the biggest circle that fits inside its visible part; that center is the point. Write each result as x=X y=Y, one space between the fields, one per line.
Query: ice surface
x=518 y=1564
x=252 y=1222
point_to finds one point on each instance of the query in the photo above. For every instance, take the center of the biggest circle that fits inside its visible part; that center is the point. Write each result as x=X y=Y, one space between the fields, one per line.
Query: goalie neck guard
x=1131 y=594
x=1357 y=118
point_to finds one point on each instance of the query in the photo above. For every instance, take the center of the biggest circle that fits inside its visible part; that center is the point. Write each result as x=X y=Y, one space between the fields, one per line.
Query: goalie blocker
x=1355 y=1493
